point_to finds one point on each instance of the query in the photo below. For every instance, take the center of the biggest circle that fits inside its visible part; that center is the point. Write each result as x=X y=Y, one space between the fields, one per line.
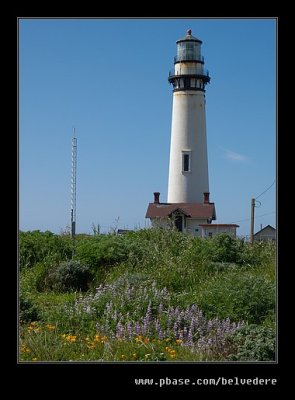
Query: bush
x=225 y=248
x=255 y=254
x=69 y=276
x=238 y=296
x=39 y=246
x=35 y=279
x=253 y=343
x=106 y=250
x=27 y=310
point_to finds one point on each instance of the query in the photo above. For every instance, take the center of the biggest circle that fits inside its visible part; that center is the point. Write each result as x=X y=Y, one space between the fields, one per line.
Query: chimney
x=206 y=197
x=156 y=197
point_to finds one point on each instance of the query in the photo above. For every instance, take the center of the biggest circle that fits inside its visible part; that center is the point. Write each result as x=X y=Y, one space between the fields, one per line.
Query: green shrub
x=255 y=254
x=69 y=276
x=34 y=279
x=27 y=310
x=224 y=248
x=238 y=296
x=106 y=250
x=253 y=343
x=39 y=246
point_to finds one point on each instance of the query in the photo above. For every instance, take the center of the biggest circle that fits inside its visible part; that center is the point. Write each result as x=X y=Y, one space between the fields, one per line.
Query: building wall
x=210 y=231
x=161 y=223
x=188 y=134
x=192 y=225
x=265 y=235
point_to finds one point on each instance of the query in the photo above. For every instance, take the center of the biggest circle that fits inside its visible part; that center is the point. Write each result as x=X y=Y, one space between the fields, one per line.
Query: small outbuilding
x=265 y=234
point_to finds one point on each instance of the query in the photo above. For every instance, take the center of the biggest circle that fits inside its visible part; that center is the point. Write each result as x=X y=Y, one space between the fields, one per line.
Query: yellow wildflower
x=178 y=341
x=70 y=338
x=50 y=327
x=24 y=349
x=96 y=338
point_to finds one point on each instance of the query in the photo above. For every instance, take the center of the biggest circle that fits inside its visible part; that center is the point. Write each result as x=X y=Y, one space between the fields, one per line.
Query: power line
x=265 y=190
x=247 y=219
x=263 y=215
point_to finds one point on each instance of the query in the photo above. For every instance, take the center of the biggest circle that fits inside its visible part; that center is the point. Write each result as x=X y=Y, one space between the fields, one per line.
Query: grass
x=45 y=342
x=143 y=277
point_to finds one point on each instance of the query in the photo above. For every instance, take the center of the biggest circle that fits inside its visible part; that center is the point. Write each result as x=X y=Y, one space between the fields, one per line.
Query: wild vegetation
x=149 y=295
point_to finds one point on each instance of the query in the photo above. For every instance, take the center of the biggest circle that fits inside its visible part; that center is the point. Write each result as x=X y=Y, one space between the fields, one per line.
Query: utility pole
x=252 y=221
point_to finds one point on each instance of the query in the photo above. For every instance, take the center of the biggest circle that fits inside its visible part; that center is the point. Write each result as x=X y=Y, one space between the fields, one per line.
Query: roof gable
x=263 y=229
x=180 y=210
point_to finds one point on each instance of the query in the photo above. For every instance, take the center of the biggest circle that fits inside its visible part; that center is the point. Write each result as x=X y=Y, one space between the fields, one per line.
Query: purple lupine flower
x=137 y=328
x=169 y=319
x=189 y=340
x=115 y=316
x=187 y=324
x=120 y=331
x=148 y=315
x=157 y=326
x=175 y=330
x=193 y=324
x=129 y=330
x=161 y=334
x=147 y=319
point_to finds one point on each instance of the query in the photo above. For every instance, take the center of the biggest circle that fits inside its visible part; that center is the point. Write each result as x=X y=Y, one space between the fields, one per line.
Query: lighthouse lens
x=187 y=51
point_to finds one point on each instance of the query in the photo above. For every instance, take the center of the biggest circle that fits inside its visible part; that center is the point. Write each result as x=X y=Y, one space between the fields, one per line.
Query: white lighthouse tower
x=188 y=169
x=188 y=208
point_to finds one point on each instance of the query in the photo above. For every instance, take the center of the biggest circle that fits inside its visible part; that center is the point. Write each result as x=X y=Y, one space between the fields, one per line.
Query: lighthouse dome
x=189 y=37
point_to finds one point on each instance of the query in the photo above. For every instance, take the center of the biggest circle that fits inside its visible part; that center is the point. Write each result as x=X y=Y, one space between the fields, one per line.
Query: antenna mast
x=73 y=185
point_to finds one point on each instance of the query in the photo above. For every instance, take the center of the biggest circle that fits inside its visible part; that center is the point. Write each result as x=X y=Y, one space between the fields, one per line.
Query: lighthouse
x=188 y=168
x=188 y=208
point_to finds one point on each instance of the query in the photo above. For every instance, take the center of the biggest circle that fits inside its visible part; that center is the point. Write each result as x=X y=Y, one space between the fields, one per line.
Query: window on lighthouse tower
x=186 y=161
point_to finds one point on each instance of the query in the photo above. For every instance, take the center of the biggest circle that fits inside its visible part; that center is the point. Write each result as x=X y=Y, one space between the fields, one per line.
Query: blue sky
x=108 y=79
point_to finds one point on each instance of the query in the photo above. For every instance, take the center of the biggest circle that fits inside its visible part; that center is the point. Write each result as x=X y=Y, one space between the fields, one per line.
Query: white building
x=186 y=217
x=210 y=230
x=265 y=234
x=188 y=207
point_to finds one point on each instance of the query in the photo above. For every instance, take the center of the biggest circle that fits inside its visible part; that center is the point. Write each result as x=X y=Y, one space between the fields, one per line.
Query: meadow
x=150 y=295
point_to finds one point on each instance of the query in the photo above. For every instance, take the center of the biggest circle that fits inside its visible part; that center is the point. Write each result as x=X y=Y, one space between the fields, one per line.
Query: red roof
x=193 y=210
x=219 y=225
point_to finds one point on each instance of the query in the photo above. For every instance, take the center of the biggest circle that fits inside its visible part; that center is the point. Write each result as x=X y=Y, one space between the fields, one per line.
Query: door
x=178 y=223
